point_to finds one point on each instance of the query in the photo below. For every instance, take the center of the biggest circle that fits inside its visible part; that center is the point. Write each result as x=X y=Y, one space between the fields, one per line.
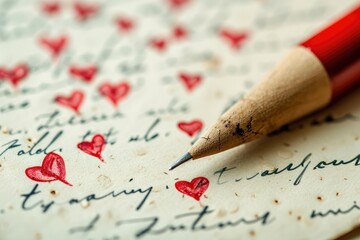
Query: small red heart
x=95 y=147
x=190 y=80
x=73 y=101
x=54 y=45
x=84 y=11
x=195 y=188
x=159 y=43
x=51 y=8
x=14 y=75
x=176 y=4
x=124 y=24
x=179 y=32
x=190 y=128
x=84 y=73
x=235 y=38
x=52 y=169
x=114 y=92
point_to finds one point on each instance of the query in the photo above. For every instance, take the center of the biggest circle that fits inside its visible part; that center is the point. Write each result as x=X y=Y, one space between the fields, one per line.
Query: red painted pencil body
x=338 y=49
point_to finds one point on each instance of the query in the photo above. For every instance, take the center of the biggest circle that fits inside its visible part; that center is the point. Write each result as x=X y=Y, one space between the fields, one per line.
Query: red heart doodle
x=195 y=188
x=54 y=45
x=51 y=169
x=125 y=24
x=84 y=73
x=95 y=147
x=235 y=38
x=176 y=4
x=51 y=8
x=190 y=80
x=84 y=11
x=179 y=32
x=158 y=44
x=14 y=75
x=73 y=101
x=190 y=128
x=114 y=92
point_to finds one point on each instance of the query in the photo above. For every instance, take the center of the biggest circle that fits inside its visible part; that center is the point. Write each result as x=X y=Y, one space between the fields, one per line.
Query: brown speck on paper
x=221 y=213
x=5 y=130
x=140 y=152
x=235 y=210
x=109 y=215
x=37 y=236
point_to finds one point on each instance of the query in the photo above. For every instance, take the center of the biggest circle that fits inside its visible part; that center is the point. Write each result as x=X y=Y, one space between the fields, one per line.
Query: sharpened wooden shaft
x=297 y=86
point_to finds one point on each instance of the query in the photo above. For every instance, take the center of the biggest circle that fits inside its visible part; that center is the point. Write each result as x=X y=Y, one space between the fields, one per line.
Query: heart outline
x=15 y=74
x=73 y=101
x=235 y=38
x=191 y=81
x=94 y=147
x=179 y=32
x=190 y=128
x=52 y=169
x=159 y=44
x=114 y=92
x=54 y=45
x=124 y=24
x=51 y=8
x=85 y=73
x=195 y=189
x=84 y=11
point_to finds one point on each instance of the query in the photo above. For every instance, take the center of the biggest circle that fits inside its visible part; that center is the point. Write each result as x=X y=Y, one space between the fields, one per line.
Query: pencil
x=309 y=77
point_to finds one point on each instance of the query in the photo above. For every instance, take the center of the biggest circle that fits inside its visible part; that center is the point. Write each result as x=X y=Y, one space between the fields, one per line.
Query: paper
x=97 y=99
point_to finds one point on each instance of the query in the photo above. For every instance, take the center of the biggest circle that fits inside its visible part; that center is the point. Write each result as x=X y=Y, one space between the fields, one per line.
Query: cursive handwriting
x=29 y=198
x=303 y=165
x=195 y=222
x=54 y=119
x=149 y=135
x=334 y=212
x=35 y=148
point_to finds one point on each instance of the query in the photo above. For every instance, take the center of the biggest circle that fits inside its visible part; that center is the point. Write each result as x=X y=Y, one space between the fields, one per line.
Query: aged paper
x=97 y=99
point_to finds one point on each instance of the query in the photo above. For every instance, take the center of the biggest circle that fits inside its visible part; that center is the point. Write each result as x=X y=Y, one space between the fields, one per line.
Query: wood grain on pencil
x=286 y=94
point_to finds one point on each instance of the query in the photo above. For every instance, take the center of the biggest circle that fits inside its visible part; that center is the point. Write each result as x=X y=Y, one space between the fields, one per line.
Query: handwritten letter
x=98 y=98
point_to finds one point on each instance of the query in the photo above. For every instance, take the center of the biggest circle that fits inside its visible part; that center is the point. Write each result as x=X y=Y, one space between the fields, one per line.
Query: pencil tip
x=186 y=157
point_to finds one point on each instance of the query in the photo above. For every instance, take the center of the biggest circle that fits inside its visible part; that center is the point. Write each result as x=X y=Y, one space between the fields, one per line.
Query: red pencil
x=312 y=75
x=338 y=49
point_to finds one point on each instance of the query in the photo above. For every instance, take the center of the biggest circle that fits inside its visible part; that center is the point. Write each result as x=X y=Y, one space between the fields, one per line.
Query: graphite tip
x=186 y=157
